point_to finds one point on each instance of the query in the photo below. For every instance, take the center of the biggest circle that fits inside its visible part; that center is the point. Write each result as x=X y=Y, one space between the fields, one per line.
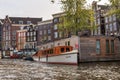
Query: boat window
x=44 y=52
x=51 y=51
x=67 y=49
x=48 y=52
x=62 y=49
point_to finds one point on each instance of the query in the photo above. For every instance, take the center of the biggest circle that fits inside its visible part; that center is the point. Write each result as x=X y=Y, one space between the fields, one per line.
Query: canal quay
x=31 y=70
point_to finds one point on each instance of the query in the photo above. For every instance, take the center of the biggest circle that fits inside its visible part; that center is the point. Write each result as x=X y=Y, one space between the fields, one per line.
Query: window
x=14 y=38
x=112 y=46
x=19 y=34
x=7 y=33
x=65 y=43
x=7 y=27
x=49 y=37
x=110 y=18
x=20 y=22
x=34 y=33
x=44 y=32
x=56 y=35
x=44 y=27
x=7 y=37
x=98 y=46
x=107 y=46
x=40 y=33
x=55 y=20
x=28 y=22
x=106 y=20
x=107 y=27
x=19 y=40
x=60 y=34
x=67 y=49
x=45 y=37
x=68 y=43
x=62 y=49
x=27 y=34
x=99 y=31
x=34 y=38
x=55 y=27
x=51 y=51
x=115 y=26
x=24 y=34
x=114 y=17
x=28 y=39
x=111 y=27
x=49 y=31
x=31 y=33
x=14 y=32
x=98 y=21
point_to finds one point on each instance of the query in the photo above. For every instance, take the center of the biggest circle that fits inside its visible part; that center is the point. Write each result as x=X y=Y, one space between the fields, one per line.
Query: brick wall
x=88 y=49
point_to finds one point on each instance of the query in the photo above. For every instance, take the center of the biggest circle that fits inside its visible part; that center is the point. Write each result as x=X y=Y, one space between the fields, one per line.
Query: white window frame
x=20 y=22
x=55 y=27
x=28 y=22
x=55 y=34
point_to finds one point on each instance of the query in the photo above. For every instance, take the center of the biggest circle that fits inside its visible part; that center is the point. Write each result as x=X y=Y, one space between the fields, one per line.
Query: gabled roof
x=103 y=6
x=1 y=21
x=15 y=20
x=45 y=22
x=58 y=14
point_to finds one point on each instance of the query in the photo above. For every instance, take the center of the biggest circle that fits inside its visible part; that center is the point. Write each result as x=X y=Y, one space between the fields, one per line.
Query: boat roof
x=73 y=51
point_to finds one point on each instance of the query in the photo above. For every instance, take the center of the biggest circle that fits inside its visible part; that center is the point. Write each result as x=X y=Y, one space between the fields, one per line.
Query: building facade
x=45 y=32
x=21 y=39
x=107 y=24
x=10 y=27
x=1 y=35
x=99 y=48
x=112 y=24
x=31 y=37
x=99 y=11
x=58 y=27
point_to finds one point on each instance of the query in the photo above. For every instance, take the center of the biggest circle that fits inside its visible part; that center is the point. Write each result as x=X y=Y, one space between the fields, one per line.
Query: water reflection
x=26 y=70
x=100 y=71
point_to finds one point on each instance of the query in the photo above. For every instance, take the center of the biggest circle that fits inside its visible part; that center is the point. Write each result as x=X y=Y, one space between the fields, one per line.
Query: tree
x=115 y=7
x=77 y=16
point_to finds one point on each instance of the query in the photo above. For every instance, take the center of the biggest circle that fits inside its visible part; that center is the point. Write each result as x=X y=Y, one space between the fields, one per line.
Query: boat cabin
x=53 y=51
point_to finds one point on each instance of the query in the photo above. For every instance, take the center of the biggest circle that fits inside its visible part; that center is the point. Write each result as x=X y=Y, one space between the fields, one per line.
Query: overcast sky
x=31 y=8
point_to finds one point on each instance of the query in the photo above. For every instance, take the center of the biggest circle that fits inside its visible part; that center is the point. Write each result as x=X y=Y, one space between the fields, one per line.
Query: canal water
x=27 y=70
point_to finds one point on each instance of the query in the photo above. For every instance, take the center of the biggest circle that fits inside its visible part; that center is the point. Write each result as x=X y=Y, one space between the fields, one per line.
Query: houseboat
x=57 y=55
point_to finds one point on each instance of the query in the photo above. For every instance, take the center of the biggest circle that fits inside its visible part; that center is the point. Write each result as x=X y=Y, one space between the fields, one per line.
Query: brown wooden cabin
x=53 y=51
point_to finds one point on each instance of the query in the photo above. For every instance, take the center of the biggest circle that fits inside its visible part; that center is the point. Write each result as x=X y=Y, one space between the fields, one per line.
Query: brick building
x=99 y=11
x=45 y=32
x=10 y=27
x=58 y=27
x=31 y=37
x=1 y=34
x=21 y=39
x=107 y=24
x=112 y=23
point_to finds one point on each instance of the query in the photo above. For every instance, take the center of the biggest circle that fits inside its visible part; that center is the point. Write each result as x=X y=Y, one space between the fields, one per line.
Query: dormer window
x=28 y=22
x=20 y=22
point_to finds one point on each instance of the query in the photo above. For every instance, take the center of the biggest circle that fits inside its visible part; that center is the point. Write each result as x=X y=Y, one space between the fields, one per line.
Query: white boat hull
x=67 y=58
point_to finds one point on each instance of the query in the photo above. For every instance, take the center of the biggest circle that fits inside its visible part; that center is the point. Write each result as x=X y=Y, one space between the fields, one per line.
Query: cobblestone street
x=26 y=70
